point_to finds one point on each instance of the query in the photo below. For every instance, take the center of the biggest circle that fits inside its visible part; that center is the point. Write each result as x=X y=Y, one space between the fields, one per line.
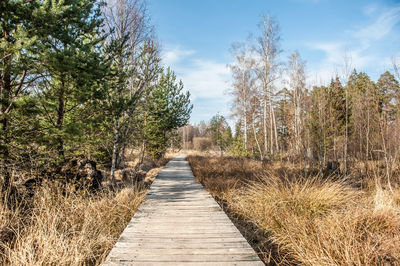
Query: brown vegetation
x=62 y=227
x=296 y=218
x=201 y=143
x=58 y=223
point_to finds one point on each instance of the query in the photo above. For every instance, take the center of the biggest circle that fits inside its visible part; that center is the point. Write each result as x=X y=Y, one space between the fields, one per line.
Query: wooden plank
x=164 y=235
x=236 y=263
x=180 y=224
x=181 y=258
x=195 y=221
x=185 y=245
x=184 y=251
x=184 y=228
x=183 y=241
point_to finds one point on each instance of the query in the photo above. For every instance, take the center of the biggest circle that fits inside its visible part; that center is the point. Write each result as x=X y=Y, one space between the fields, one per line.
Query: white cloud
x=176 y=54
x=333 y=63
x=207 y=81
x=359 y=45
x=333 y=51
x=203 y=78
x=206 y=78
x=381 y=27
x=370 y=9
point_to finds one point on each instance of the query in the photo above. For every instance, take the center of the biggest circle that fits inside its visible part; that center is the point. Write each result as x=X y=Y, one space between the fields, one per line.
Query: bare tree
x=297 y=80
x=347 y=69
x=268 y=50
x=127 y=21
x=396 y=67
x=243 y=83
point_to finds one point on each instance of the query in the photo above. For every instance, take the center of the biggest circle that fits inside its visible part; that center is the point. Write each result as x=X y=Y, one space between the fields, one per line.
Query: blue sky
x=196 y=36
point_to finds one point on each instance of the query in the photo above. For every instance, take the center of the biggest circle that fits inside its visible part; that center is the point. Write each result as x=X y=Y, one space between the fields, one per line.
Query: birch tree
x=297 y=79
x=268 y=50
x=347 y=66
x=127 y=22
x=243 y=84
x=396 y=68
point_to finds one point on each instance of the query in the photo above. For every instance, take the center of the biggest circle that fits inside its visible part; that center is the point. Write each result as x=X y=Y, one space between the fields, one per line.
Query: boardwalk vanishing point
x=179 y=223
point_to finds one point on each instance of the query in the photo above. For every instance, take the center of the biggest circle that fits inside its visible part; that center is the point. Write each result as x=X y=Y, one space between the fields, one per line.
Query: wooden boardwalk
x=179 y=223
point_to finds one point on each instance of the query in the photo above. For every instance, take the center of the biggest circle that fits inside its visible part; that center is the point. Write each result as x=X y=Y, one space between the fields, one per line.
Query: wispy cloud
x=381 y=27
x=333 y=50
x=358 y=43
x=202 y=77
x=207 y=81
x=206 y=78
x=369 y=9
x=176 y=54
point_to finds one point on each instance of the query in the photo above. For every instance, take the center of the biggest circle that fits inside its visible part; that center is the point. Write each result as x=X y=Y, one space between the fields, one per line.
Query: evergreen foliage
x=168 y=108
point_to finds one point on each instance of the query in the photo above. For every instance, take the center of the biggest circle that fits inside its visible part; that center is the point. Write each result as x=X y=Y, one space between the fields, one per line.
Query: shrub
x=202 y=144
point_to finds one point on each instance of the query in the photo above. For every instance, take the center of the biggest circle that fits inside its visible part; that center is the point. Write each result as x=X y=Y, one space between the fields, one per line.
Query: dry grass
x=63 y=227
x=306 y=220
x=220 y=174
x=59 y=225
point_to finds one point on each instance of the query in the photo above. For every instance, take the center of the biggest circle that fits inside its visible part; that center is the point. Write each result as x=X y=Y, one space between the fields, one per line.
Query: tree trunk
x=115 y=149
x=244 y=102
x=296 y=121
x=245 y=128
x=367 y=144
x=5 y=101
x=183 y=137
x=255 y=137
x=142 y=153
x=121 y=157
x=265 y=126
x=389 y=164
x=275 y=127
x=346 y=136
x=271 y=130
x=60 y=119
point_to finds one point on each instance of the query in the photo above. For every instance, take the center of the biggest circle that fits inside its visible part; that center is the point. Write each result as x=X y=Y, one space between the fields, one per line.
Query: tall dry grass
x=52 y=223
x=306 y=220
x=63 y=227
x=219 y=174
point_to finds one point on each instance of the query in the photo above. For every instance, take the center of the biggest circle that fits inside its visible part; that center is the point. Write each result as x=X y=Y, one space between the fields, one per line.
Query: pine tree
x=221 y=133
x=318 y=123
x=69 y=40
x=389 y=110
x=389 y=98
x=285 y=119
x=336 y=114
x=18 y=71
x=168 y=108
